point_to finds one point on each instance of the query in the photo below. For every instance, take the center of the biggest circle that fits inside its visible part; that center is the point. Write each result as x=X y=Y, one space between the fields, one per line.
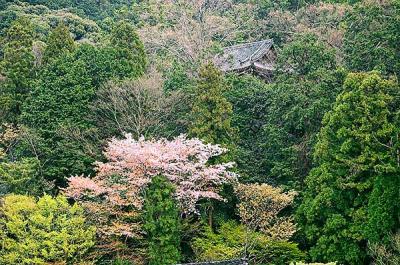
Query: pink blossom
x=133 y=163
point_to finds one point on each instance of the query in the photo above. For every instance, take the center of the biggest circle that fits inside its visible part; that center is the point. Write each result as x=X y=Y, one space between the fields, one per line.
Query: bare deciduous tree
x=322 y=19
x=138 y=106
x=190 y=30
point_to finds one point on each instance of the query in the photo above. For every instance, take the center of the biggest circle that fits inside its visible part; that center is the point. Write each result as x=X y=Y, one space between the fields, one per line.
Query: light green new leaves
x=47 y=230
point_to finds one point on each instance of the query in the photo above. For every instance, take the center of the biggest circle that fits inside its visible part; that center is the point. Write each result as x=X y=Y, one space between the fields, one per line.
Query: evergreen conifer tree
x=129 y=47
x=352 y=194
x=211 y=116
x=59 y=42
x=17 y=67
x=161 y=223
x=211 y=112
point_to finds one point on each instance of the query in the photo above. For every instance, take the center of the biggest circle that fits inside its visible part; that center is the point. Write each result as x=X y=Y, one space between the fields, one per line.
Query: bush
x=231 y=241
x=38 y=232
x=386 y=253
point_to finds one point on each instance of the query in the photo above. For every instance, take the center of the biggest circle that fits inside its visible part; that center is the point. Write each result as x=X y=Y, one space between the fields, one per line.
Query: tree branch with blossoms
x=119 y=185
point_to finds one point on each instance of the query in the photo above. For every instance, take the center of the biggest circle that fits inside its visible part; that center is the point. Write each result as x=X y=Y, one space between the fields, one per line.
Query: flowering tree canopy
x=120 y=182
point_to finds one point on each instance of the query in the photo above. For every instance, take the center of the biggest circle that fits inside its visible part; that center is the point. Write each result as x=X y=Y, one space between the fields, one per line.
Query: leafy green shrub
x=235 y=241
x=20 y=177
x=38 y=232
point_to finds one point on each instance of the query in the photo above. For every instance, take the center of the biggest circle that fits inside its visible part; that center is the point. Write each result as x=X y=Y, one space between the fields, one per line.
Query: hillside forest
x=122 y=142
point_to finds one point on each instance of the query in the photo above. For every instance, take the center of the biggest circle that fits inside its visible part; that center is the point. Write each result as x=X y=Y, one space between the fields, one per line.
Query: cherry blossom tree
x=115 y=195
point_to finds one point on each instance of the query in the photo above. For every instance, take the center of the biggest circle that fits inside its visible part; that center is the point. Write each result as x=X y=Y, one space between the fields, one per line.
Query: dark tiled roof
x=243 y=55
x=225 y=262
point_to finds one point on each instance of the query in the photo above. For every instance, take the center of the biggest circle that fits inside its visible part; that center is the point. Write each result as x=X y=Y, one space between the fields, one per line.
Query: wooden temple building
x=256 y=58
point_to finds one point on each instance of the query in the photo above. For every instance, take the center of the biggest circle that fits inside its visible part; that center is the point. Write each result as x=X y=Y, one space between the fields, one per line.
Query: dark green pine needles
x=161 y=223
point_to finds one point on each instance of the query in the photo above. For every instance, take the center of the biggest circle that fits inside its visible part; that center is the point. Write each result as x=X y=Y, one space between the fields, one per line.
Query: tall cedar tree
x=352 y=195
x=17 y=67
x=211 y=121
x=59 y=43
x=58 y=109
x=211 y=111
x=161 y=222
x=128 y=44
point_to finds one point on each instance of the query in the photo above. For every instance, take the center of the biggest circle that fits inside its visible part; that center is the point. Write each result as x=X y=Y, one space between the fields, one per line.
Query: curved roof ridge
x=242 y=45
x=261 y=51
x=243 y=55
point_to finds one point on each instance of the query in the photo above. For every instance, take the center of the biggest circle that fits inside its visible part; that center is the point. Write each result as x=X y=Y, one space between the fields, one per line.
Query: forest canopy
x=123 y=139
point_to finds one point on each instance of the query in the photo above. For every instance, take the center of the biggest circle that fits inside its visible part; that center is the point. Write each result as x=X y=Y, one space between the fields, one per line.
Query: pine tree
x=17 y=67
x=161 y=223
x=211 y=116
x=211 y=112
x=59 y=42
x=352 y=194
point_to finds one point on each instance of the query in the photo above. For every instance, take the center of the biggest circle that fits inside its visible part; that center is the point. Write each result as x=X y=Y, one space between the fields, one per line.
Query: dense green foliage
x=59 y=43
x=161 y=223
x=56 y=105
x=278 y=123
x=318 y=138
x=388 y=253
x=44 y=19
x=58 y=108
x=20 y=177
x=130 y=49
x=91 y=8
x=351 y=195
x=369 y=23
x=18 y=69
x=211 y=112
x=250 y=100
x=307 y=83
x=43 y=231
x=234 y=241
